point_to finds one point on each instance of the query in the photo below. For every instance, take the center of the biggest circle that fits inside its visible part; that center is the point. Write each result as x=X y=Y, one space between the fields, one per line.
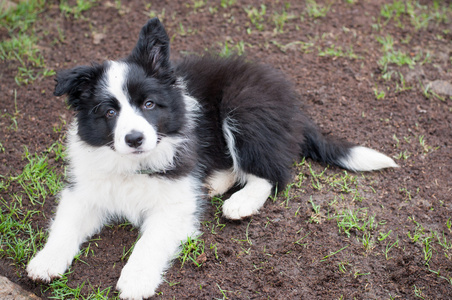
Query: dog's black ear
x=75 y=83
x=152 y=50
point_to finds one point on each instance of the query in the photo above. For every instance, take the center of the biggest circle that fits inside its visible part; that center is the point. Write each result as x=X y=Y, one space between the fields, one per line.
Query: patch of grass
x=193 y=250
x=317 y=179
x=182 y=31
x=428 y=93
x=304 y=47
x=419 y=16
x=427 y=240
x=300 y=176
x=154 y=13
x=382 y=236
x=397 y=57
x=346 y=184
x=227 y=49
x=61 y=290
x=368 y=241
x=315 y=216
x=441 y=12
x=59 y=128
x=298 y=242
x=170 y=283
x=333 y=253
x=198 y=4
x=22 y=17
x=393 y=10
x=403 y=155
x=425 y=148
x=418 y=292
x=215 y=250
x=280 y=18
x=19 y=241
x=388 y=248
x=23 y=49
x=391 y=56
x=343 y=266
x=357 y=273
x=223 y=292
x=418 y=232
x=427 y=248
x=76 y=10
x=38 y=179
x=13 y=116
x=386 y=42
x=403 y=86
x=88 y=250
x=257 y=16
x=334 y=51
x=127 y=252
x=355 y=220
x=227 y=3
x=216 y=202
x=315 y=10
x=287 y=195
x=438 y=274
x=379 y=94
x=21 y=46
x=247 y=237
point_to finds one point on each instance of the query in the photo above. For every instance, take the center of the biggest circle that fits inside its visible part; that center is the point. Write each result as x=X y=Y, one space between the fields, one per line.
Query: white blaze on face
x=133 y=134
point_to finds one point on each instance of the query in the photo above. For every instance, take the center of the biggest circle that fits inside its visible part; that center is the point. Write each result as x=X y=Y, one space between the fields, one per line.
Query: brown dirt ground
x=257 y=258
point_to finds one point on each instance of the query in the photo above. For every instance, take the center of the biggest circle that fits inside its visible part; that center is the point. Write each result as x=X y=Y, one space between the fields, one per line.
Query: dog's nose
x=134 y=139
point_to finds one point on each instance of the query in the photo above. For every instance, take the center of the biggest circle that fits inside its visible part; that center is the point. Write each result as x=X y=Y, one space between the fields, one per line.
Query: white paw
x=237 y=207
x=248 y=200
x=46 y=266
x=137 y=282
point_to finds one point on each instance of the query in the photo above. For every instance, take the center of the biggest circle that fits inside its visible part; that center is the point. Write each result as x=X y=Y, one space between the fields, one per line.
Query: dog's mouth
x=138 y=152
x=130 y=152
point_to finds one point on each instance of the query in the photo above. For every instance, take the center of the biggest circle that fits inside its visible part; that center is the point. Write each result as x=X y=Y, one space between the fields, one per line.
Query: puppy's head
x=128 y=105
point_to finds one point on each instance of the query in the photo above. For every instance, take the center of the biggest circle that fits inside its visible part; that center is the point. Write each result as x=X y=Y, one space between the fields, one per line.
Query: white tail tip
x=366 y=159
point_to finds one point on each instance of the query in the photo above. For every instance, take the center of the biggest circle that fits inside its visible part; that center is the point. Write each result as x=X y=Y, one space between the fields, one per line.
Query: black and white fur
x=151 y=137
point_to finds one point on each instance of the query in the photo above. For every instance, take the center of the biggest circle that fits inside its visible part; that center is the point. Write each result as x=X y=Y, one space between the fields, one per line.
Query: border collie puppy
x=151 y=138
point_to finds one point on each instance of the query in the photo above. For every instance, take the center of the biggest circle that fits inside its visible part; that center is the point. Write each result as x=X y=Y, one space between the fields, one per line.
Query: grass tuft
x=193 y=250
x=38 y=179
x=19 y=241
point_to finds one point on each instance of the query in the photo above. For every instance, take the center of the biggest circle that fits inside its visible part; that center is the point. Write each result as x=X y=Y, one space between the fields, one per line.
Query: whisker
x=94 y=109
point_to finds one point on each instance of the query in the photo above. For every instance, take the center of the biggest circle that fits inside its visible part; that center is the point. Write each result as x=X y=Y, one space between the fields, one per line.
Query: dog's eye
x=148 y=105
x=111 y=113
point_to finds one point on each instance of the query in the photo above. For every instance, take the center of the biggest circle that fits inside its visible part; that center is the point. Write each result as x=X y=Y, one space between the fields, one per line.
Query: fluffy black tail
x=341 y=153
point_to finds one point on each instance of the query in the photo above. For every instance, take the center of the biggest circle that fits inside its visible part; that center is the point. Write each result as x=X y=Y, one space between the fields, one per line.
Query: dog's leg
x=161 y=236
x=75 y=220
x=249 y=199
x=220 y=182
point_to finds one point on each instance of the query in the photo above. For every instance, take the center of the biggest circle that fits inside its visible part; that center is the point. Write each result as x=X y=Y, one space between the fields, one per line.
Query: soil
x=258 y=258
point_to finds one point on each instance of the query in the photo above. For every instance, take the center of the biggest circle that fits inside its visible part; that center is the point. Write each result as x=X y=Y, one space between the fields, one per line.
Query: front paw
x=46 y=266
x=138 y=282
